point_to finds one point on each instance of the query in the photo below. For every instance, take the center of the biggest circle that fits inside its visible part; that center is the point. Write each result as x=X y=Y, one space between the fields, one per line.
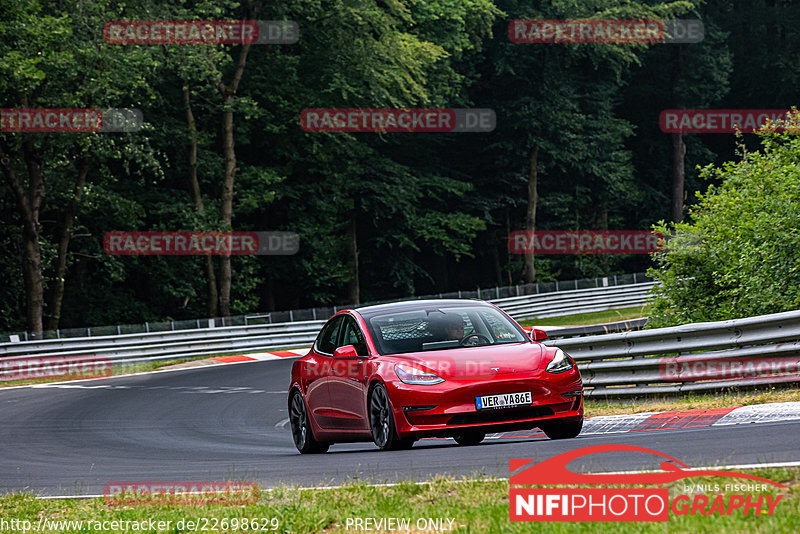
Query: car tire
x=302 y=435
x=469 y=437
x=562 y=429
x=381 y=421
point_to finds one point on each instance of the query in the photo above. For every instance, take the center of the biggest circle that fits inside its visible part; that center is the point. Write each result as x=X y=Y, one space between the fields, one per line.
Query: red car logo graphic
x=554 y=470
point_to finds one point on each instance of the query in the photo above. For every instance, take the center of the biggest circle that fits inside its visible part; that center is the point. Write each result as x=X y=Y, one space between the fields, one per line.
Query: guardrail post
x=556 y=285
x=147 y=327
x=314 y=313
x=517 y=286
x=172 y=325
x=634 y=278
x=291 y=316
x=479 y=292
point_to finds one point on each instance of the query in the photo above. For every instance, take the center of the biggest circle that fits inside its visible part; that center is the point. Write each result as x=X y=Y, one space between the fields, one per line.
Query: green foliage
x=431 y=211
x=740 y=254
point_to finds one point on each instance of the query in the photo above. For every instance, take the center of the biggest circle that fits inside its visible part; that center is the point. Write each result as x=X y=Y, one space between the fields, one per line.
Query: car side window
x=352 y=335
x=326 y=343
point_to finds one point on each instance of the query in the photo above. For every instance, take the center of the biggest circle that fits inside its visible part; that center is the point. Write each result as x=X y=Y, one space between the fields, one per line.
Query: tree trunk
x=57 y=292
x=494 y=239
x=678 y=146
x=530 y=217
x=226 y=196
x=211 y=277
x=508 y=252
x=678 y=176
x=28 y=204
x=353 y=291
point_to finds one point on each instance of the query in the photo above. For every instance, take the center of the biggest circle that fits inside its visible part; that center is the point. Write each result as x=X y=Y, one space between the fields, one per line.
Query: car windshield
x=441 y=328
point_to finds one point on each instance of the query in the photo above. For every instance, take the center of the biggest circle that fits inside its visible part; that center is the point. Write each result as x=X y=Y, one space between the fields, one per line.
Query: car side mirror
x=538 y=335
x=346 y=351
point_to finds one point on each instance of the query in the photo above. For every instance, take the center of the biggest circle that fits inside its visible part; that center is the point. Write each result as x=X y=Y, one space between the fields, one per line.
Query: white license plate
x=506 y=400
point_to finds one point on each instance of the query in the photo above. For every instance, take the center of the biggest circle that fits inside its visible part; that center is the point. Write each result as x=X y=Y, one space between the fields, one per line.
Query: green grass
x=476 y=506
x=608 y=316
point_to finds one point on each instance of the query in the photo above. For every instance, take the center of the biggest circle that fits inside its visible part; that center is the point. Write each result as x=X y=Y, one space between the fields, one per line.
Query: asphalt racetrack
x=228 y=422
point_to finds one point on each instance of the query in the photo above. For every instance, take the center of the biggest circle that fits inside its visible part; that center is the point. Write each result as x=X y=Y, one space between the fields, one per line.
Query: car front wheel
x=469 y=437
x=562 y=429
x=381 y=422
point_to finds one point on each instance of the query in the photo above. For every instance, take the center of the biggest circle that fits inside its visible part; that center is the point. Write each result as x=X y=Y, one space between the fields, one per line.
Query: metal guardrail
x=131 y=348
x=760 y=350
x=323 y=312
x=575 y=302
x=594 y=329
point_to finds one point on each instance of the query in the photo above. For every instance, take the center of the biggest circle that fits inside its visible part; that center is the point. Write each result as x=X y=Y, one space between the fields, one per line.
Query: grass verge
x=477 y=506
x=607 y=316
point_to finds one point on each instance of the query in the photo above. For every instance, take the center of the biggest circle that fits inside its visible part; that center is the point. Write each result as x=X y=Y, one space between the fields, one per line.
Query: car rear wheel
x=301 y=427
x=562 y=429
x=469 y=437
x=381 y=422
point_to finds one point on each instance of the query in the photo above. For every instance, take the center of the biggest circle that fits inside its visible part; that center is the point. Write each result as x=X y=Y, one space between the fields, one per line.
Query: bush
x=740 y=254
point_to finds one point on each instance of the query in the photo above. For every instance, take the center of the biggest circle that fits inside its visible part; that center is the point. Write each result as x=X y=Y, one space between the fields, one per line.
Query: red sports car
x=395 y=373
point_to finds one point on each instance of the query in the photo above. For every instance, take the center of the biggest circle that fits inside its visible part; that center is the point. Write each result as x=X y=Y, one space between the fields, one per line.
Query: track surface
x=219 y=423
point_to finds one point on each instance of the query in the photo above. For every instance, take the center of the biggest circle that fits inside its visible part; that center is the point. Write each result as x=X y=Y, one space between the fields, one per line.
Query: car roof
x=412 y=305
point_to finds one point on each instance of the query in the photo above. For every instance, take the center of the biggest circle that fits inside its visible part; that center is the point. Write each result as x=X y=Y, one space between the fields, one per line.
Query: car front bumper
x=449 y=407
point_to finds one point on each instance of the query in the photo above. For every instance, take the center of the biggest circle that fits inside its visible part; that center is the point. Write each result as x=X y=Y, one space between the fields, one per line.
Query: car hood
x=478 y=361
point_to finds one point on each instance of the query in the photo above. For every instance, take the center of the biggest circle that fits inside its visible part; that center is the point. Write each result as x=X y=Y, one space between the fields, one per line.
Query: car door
x=317 y=371
x=347 y=381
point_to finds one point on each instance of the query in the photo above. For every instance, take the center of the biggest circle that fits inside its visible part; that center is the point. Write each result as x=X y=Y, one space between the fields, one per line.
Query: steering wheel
x=474 y=340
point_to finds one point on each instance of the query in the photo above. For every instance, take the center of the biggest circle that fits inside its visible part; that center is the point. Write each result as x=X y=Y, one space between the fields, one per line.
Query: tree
x=52 y=59
x=740 y=255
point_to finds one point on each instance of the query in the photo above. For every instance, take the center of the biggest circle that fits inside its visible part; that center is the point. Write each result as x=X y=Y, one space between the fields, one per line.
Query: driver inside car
x=448 y=327
x=454 y=327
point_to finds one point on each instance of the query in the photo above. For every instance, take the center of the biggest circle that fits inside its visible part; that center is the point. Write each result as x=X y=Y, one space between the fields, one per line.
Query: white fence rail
x=128 y=348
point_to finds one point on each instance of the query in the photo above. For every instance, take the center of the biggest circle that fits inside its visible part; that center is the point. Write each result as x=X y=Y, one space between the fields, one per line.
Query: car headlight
x=561 y=362
x=410 y=375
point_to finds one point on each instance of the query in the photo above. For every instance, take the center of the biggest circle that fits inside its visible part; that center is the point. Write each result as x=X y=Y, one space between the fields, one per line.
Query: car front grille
x=500 y=416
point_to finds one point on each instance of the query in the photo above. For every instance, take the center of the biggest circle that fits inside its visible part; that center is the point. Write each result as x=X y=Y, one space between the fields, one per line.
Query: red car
x=394 y=373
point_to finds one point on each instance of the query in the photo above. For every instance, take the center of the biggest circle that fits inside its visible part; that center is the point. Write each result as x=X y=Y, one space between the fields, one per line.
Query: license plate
x=506 y=400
